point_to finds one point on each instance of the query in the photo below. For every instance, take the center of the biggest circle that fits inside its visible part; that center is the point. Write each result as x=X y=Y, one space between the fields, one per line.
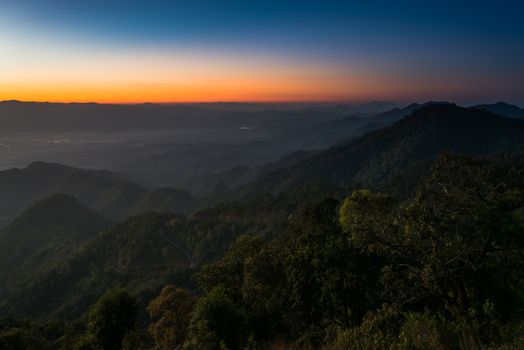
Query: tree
x=329 y=282
x=217 y=323
x=112 y=317
x=172 y=309
x=13 y=339
x=228 y=271
x=455 y=247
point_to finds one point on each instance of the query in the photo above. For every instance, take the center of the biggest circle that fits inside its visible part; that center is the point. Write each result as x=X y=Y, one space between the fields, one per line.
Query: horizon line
x=135 y=103
x=266 y=102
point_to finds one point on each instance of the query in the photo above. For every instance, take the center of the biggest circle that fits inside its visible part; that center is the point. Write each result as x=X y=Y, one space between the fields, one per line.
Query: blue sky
x=447 y=49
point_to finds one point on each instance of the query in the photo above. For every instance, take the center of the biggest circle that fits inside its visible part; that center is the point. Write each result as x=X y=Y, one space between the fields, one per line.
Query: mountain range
x=504 y=109
x=105 y=191
x=60 y=252
x=399 y=154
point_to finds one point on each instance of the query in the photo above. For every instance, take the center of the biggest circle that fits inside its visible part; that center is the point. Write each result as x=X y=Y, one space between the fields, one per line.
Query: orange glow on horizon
x=293 y=89
x=56 y=71
x=312 y=89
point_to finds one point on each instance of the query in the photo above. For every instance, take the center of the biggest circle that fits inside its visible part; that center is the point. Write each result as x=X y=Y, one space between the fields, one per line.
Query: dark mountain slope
x=327 y=134
x=274 y=135
x=161 y=200
x=204 y=185
x=397 y=155
x=395 y=114
x=59 y=211
x=504 y=109
x=44 y=234
x=127 y=199
x=117 y=201
x=143 y=254
x=323 y=135
x=104 y=191
x=201 y=186
x=176 y=168
x=314 y=138
x=22 y=187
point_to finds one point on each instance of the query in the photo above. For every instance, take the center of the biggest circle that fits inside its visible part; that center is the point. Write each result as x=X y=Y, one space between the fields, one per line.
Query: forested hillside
x=409 y=237
x=395 y=157
x=143 y=254
x=43 y=236
x=441 y=269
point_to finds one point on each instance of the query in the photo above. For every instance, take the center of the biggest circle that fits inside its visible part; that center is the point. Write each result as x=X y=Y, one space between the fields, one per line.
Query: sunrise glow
x=73 y=52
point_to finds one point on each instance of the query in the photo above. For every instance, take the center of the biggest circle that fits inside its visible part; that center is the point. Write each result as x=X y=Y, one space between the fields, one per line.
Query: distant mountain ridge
x=327 y=134
x=504 y=109
x=308 y=141
x=22 y=187
x=93 y=188
x=400 y=152
x=74 y=117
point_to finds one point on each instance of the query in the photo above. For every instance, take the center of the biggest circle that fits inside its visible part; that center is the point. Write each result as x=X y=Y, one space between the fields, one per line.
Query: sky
x=316 y=51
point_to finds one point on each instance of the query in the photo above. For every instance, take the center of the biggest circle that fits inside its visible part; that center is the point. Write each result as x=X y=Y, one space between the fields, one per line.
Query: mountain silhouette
x=401 y=152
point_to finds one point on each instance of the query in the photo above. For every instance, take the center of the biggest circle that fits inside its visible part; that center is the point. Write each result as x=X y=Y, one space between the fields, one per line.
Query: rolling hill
x=43 y=235
x=326 y=134
x=22 y=187
x=105 y=191
x=142 y=254
x=504 y=109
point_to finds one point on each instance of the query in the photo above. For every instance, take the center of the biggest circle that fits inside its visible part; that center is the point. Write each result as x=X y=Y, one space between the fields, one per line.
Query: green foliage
x=378 y=330
x=86 y=343
x=228 y=272
x=34 y=335
x=455 y=247
x=442 y=269
x=429 y=258
x=390 y=329
x=327 y=280
x=427 y=331
x=13 y=339
x=217 y=323
x=362 y=210
x=42 y=237
x=111 y=319
x=250 y=275
x=172 y=310
x=306 y=280
x=143 y=254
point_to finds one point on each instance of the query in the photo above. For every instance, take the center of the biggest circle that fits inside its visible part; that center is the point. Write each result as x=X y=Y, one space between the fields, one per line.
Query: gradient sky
x=250 y=50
